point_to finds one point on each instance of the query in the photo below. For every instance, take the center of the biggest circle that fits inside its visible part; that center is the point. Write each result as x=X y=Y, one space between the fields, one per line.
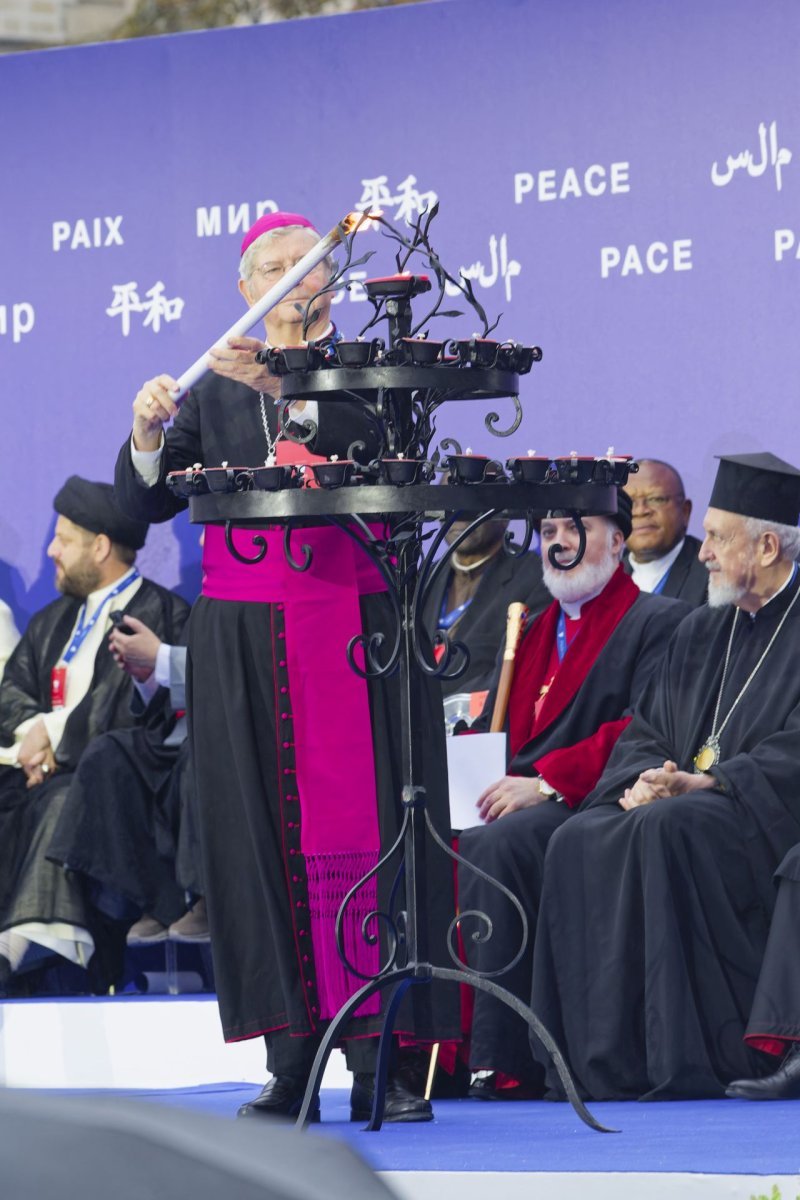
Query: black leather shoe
x=400 y=1105
x=783 y=1084
x=281 y=1097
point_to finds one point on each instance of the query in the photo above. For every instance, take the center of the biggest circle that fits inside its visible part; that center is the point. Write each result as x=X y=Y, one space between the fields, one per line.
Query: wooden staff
x=517 y=613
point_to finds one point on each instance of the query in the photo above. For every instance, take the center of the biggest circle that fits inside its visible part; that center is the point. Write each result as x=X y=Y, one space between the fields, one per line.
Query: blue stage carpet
x=710 y=1136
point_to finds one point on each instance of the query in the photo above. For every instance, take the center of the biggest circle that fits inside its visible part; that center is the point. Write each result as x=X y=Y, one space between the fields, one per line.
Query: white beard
x=580 y=584
x=720 y=593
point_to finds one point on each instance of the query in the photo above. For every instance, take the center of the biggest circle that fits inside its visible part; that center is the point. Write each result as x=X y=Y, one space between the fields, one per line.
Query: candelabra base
x=398 y=981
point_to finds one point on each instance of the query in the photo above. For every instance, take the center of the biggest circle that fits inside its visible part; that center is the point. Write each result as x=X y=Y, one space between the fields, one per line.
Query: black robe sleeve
x=220 y=421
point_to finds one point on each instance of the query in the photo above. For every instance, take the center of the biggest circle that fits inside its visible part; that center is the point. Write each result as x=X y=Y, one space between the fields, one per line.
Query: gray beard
x=721 y=594
x=579 y=584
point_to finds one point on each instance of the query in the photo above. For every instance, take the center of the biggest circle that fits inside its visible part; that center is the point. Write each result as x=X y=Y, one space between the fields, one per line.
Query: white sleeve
x=147 y=688
x=8 y=634
x=309 y=413
x=146 y=463
x=161 y=673
x=54 y=723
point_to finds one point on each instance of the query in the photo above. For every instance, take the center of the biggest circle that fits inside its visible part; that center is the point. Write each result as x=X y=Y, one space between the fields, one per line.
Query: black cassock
x=31 y=887
x=653 y=922
x=256 y=888
x=775 y=1016
x=603 y=689
x=482 y=628
x=123 y=823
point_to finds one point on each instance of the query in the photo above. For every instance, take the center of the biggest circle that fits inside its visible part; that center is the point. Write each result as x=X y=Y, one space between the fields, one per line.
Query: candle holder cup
x=220 y=479
x=334 y=474
x=357 y=354
x=403 y=471
x=274 y=477
x=531 y=469
x=576 y=469
x=420 y=352
x=476 y=352
x=467 y=468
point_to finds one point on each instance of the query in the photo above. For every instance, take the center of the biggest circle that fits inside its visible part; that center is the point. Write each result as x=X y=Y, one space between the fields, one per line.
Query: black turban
x=93 y=507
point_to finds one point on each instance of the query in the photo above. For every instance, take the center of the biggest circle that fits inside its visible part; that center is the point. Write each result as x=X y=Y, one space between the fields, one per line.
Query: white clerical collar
x=328 y=333
x=573 y=607
x=95 y=599
x=647 y=575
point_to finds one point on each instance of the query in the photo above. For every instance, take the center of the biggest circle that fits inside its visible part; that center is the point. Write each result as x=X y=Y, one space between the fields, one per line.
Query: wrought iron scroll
x=297 y=564
x=486 y=928
x=377 y=551
x=259 y=540
x=395 y=936
x=554 y=551
x=491 y=419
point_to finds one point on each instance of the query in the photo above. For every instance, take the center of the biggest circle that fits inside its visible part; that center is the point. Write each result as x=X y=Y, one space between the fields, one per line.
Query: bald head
x=660 y=510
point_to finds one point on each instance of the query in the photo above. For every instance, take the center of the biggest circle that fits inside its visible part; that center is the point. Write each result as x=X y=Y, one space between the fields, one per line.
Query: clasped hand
x=35 y=754
x=658 y=782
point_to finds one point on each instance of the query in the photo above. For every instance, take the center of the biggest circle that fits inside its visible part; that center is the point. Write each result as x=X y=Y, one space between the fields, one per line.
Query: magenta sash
x=335 y=770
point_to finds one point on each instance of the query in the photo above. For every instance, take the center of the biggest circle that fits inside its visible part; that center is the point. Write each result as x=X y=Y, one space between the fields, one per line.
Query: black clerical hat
x=93 y=507
x=757 y=485
x=624 y=514
x=623 y=517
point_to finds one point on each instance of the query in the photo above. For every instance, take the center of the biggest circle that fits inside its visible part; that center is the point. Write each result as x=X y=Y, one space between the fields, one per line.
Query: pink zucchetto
x=274 y=220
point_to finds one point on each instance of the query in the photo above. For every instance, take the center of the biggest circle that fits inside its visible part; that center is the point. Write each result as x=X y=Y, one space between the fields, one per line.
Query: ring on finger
x=149 y=401
x=45 y=769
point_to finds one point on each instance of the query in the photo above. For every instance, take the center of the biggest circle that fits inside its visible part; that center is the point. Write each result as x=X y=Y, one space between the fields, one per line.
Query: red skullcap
x=275 y=220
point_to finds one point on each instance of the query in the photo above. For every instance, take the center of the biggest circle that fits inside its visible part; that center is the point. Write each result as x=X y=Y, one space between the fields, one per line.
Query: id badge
x=58 y=687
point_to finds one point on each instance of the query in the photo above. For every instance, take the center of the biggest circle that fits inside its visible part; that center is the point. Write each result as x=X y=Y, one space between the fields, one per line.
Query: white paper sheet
x=473 y=762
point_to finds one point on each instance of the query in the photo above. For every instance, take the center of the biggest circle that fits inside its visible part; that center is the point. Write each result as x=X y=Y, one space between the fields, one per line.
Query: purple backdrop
x=621 y=180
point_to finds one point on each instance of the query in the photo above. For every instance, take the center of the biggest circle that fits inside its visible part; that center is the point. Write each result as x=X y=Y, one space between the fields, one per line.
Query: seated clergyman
x=648 y=951
x=660 y=553
x=60 y=689
x=470 y=600
x=126 y=827
x=580 y=668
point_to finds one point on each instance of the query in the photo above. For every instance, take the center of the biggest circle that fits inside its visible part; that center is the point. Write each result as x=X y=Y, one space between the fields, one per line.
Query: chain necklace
x=466 y=568
x=271 y=441
x=709 y=753
x=332 y=336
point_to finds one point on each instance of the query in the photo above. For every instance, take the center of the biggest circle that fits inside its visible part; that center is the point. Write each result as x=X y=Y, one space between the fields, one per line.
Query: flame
x=361 y=220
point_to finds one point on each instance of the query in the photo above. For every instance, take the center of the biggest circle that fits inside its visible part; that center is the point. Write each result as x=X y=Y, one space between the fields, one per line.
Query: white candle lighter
x=259 y=310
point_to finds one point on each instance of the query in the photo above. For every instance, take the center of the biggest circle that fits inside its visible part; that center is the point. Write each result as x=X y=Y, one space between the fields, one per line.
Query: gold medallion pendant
x=707 y=756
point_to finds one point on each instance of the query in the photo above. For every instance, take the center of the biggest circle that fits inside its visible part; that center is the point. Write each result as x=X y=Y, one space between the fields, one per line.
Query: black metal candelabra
x=400 y=386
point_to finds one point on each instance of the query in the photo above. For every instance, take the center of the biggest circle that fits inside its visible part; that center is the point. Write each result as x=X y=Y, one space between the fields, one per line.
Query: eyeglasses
x=652 y=501
x=272 y=271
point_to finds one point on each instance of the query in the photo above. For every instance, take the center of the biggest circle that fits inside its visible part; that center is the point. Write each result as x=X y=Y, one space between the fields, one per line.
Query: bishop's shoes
x=283 y=1097
x=783 y=1084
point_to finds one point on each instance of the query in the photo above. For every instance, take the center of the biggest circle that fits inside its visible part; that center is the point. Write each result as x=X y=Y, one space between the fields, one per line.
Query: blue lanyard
x=448 y=619
x=658 y=589
x=561 y=636
x=85 y=627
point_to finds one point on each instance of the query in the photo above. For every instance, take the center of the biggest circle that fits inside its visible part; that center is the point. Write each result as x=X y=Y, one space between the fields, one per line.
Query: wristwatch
x=545 y=789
